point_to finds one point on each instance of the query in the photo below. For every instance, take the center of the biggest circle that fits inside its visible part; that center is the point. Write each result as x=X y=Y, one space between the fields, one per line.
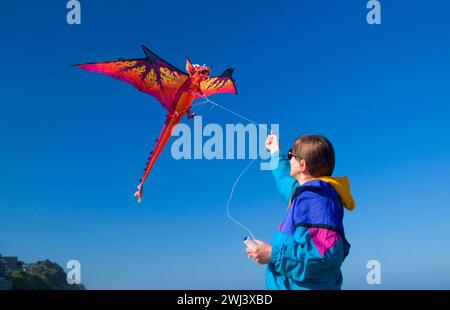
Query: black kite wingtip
x=147 y=52
x=228 y=72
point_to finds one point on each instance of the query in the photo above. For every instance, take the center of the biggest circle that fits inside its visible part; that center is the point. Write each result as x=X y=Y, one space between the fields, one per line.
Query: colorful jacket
x=310 y=245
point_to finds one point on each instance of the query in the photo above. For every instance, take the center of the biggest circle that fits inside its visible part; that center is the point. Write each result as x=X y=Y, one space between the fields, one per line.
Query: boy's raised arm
x=281 y=169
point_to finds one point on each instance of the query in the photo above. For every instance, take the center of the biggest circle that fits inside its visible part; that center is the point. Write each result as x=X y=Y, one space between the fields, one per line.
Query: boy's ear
x=189 y=67
x=303 y=167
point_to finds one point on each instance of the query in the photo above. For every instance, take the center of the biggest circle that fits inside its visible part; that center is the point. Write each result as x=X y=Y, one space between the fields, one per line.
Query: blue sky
x=74 y=143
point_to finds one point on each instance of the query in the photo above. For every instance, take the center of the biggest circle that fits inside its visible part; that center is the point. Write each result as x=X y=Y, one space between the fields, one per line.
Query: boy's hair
x=318 y=153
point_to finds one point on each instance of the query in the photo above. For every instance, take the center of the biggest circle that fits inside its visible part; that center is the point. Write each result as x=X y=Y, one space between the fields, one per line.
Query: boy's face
x=299 y=170
x=295 y=168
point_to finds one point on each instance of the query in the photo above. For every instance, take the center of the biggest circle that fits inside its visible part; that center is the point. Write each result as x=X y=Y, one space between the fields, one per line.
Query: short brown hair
x=318 y=153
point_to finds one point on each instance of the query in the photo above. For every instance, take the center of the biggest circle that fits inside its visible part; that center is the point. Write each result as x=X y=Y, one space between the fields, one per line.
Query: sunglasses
x=292 y=154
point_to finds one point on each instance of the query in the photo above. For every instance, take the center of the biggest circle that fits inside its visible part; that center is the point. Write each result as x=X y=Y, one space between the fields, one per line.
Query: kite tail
x=139 y=193
x=160 y=143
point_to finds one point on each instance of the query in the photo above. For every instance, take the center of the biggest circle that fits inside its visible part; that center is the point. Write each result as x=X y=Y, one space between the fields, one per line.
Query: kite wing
x=151 y=75
x=223 y=83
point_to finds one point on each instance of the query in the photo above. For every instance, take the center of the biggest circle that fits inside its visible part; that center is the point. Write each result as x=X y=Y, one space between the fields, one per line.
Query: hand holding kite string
x=272 y=143
x=172 y=87
x=260 y=253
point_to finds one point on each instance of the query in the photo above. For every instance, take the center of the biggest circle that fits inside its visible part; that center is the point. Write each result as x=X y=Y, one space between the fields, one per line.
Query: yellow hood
x=342 y=187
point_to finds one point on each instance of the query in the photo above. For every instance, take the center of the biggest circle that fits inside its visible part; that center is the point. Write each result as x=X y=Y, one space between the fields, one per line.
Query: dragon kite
x=172 y=87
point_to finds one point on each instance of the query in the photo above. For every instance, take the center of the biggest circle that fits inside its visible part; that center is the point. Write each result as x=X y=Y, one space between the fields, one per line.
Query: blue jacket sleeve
x=281 y=169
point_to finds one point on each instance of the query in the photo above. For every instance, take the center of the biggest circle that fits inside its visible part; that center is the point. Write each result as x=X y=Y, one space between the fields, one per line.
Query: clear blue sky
x=73 y=144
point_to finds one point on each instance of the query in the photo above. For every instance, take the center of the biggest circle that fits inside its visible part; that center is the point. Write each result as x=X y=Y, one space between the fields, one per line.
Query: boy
x=308 y=250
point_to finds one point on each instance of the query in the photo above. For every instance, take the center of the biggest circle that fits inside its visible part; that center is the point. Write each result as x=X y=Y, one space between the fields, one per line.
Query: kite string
x=230 y=197
x=214 y=104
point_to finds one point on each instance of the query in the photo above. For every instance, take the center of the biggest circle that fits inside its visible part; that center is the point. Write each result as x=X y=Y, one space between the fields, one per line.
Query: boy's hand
x=261 y=253
x=272 y=143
